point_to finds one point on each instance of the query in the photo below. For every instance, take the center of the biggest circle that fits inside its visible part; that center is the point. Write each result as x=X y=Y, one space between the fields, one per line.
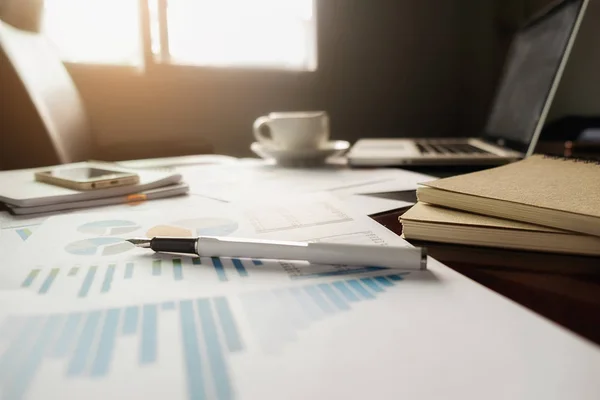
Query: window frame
x=159 y=62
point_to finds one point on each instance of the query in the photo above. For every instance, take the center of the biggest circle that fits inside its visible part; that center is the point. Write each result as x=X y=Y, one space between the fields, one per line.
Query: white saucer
x=301 y=157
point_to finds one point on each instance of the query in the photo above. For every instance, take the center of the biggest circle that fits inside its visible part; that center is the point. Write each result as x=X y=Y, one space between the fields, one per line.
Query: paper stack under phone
x=23 y=195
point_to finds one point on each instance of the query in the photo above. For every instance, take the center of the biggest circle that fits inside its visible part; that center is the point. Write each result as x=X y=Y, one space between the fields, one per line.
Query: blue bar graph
x=383 y=280
x=13 y=354
x=316 y=303
x=25 y=371
x=335 y=298
x=80 y=356
x=48 y=281
x=319 y=299
x=232 y=336
x=346 y=292
x=191 y=351
x=177 y=270
x=156 y=267
x=87 y=282
x=129 y=271
x=149 y=334
x=237 y=263
x=108 y=277
x=360 y=289
x=216 y=358
x=218 y=264
x=87 y=341
x=258 y=263
x=30 y=278
x=311 y=310
x=371 y=284
x=106 y=345
x=131 y=320
x=65 y=340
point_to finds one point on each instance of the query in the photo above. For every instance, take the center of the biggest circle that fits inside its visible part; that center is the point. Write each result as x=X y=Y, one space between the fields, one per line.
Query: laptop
x=533 y=69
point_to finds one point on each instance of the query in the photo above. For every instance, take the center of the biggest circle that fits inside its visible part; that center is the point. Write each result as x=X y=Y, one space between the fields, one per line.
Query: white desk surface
x=434 y=335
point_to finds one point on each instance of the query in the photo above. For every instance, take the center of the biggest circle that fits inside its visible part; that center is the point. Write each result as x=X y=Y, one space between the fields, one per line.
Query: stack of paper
x=23 y=195
x=542 y=204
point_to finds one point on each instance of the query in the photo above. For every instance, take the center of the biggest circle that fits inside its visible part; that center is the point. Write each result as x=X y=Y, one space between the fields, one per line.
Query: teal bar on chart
x=48 y=281
x=106 y=345
x=216 y=359
x=218 y=264
x=232 y=335
x=108 y=277
x=346 y=292
x=360 y=289
x=73 y=271
x=148 y=343
x=258 y=263
x=24 y=372
x=371 y=284
x=335 y=298
x=318 y=299
x=87 y=281
x=311 y=310
x=12 y=355
x=156 y=267
x=191 y=352
x=85 y=342
x=128 y=271
x=383 y=281
x=66 y=338
x=30 y=278
x=130 y=321
x=177 y=269
x=239 y=266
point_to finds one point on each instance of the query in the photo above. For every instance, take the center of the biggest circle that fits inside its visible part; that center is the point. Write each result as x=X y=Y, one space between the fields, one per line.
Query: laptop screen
x=531 y=69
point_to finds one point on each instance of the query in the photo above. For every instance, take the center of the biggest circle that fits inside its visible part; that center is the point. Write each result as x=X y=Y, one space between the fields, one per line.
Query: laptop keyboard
x=449 y=148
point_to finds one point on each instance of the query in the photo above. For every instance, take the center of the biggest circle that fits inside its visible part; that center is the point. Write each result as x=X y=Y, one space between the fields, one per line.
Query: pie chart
x=100 y=246
x=108 y=228
x=195 y=227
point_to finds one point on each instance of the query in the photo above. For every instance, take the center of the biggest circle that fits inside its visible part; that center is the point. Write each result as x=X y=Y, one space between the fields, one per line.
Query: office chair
x=42 y=117
x=43 y=120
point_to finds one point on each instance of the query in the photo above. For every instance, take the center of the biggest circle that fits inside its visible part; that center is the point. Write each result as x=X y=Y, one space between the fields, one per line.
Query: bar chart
x=277 y=316
x=203 y=333
x=83 y=281
x=86 y=342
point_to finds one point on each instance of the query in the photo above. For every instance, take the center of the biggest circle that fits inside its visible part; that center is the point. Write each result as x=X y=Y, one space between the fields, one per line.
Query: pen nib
x=140 y=242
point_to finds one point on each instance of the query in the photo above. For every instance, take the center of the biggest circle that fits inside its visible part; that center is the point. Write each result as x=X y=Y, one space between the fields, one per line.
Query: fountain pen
x=397 y=257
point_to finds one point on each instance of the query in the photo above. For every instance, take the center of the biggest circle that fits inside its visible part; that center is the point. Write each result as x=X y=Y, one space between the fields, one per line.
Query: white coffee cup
x=293 y=130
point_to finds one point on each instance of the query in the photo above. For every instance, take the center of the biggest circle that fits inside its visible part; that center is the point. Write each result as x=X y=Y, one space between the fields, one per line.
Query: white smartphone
x=87 y=178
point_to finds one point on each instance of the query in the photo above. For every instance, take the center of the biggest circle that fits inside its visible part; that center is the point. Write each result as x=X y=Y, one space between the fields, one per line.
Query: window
x=219 y=33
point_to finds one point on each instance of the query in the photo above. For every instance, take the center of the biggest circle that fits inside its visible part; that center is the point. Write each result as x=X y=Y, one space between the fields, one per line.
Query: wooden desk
x=562 y=288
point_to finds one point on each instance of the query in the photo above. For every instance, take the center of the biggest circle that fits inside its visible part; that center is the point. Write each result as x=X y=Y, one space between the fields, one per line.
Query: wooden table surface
x=562 y=288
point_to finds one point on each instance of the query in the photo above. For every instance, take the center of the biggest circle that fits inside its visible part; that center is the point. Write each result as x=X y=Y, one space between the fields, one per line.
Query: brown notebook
x=550 y=191
x=437 y=224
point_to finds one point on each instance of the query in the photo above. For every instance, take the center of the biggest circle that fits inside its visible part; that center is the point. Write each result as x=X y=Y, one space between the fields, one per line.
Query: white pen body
x=408 y=258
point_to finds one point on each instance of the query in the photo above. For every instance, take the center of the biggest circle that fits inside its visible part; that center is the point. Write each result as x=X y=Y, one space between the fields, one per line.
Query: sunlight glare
x=95 y=31
x=257 y=33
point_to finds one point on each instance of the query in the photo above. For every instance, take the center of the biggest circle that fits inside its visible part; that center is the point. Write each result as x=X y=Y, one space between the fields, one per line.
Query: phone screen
x=85 y=174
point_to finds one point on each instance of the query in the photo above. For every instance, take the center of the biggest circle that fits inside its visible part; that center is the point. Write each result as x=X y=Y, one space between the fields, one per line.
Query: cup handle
x=258 y=133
